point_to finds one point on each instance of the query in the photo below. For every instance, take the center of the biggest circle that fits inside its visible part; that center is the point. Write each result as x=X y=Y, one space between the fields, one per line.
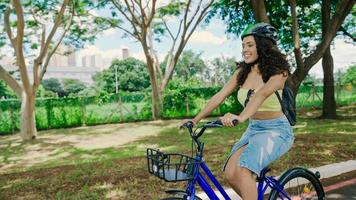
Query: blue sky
x=211 y=40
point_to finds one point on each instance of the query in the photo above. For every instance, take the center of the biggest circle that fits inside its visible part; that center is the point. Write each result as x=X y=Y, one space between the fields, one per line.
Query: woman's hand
x=184 y=121
x=228 y=119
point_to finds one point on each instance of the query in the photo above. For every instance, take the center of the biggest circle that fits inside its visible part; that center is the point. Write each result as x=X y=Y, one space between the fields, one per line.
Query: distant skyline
x=212 y=41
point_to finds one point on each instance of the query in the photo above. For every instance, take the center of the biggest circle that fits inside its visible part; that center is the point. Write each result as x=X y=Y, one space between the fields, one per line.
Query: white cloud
x=110 y=32
x=207 y=37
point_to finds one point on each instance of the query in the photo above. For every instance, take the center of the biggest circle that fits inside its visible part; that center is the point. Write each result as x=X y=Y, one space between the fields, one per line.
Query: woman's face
x=249 y=49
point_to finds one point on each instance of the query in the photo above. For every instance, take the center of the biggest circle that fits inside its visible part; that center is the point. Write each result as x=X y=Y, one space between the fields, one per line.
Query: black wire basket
x=171 y=167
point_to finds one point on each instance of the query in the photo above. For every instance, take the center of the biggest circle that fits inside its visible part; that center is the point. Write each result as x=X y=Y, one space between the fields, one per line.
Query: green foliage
x=72 y=86
x=53 y=85
x=187 y=101
x=174 y=8
x=189 y=64
x=349 y=76
x=219 y=71
x=3 y=89
x=6 y=91
x=237 y=14
x=179 y=100
x=132 y=75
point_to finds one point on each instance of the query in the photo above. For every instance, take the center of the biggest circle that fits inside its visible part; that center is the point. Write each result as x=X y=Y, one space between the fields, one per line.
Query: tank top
x=271 y=103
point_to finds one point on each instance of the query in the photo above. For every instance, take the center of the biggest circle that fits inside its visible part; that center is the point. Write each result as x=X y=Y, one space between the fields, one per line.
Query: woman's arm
x=218 y=98
x=275 y=83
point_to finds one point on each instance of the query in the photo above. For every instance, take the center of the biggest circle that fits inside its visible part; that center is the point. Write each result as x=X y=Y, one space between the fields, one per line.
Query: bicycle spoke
x=299 y=189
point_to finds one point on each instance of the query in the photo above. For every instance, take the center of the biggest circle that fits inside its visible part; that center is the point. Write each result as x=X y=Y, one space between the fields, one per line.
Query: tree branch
x=259 y=11
x=18 y=45
x=346 y=33
x=7 y=26
x=133 y=24
x=184 y=39
x=135 y=20
x=296 y=41
x=186 y=13
x=49 y=55
x=57 y=23
x=153 y=12
x=169 y=31
x=154 y=54
x=4 y=75
x=342 y=10
x=43 y=35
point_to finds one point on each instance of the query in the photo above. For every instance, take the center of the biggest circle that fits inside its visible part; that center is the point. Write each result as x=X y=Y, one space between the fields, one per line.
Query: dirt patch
x=50 y=145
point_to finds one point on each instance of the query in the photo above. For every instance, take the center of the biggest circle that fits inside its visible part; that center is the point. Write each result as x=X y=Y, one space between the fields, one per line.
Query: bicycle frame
x=263 y=183
x=199 y=178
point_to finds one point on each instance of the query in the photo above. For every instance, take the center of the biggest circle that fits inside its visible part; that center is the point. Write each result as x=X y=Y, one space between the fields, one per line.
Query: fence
x=125 y=107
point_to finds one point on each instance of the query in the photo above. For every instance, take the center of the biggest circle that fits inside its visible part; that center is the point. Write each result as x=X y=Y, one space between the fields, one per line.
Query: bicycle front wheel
x=298 y=184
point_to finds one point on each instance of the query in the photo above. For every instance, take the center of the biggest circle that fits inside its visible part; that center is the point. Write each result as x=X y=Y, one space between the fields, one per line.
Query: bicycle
x=295 y=183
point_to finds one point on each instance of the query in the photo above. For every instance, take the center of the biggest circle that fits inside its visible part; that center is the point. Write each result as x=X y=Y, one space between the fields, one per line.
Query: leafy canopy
x=132 y=75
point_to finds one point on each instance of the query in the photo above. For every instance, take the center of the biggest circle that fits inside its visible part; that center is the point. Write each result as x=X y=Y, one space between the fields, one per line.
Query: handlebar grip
x=218 y=122
x=189 y=125
x=235 y=122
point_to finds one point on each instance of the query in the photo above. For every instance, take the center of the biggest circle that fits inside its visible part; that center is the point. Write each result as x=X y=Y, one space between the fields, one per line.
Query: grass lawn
x=121 y=173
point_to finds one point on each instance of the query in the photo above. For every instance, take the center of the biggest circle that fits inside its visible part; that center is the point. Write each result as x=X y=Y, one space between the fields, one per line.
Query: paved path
x=344 y=193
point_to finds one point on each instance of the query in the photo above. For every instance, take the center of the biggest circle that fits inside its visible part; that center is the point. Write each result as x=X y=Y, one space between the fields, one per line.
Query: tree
x=189 y=64
x=350 y=76
x=148 y=21
x=220 y=70
x=316 y=27
x=72 y=86
x=34 y=30
x=127 y=75
x=53 y=85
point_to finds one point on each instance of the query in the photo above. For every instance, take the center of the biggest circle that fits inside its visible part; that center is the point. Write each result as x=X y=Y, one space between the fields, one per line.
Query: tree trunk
x=329 y=103
x=157 y=106
x=28 y=121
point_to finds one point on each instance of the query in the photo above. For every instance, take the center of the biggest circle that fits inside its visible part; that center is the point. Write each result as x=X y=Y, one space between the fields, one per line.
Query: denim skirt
x=266 y=141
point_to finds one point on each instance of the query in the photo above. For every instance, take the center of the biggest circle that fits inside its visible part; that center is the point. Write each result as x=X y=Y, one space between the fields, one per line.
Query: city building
x=125 y=53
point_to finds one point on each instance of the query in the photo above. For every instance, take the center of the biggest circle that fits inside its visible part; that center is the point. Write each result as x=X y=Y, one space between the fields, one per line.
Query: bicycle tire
x=293 y=174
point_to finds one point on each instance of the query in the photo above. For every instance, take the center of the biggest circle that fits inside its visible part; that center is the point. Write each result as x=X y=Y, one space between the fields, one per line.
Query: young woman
x=263 y=71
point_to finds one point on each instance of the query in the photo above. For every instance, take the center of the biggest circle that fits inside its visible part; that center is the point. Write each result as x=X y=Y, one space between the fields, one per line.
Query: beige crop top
x=271 y=103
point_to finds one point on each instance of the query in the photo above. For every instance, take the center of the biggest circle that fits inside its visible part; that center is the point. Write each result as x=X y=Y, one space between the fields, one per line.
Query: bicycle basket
x=171 y=167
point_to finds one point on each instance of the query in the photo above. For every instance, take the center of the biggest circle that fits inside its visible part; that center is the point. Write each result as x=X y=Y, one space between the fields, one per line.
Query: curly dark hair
x=270 y=61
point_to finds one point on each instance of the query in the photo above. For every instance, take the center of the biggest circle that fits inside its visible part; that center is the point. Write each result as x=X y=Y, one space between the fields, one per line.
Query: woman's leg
x=241 y=179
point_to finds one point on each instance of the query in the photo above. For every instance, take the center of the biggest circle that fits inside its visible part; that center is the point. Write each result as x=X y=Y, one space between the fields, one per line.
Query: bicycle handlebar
x=212 y=124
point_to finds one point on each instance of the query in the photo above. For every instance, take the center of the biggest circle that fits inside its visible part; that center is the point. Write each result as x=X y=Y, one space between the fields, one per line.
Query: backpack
x=288 y=104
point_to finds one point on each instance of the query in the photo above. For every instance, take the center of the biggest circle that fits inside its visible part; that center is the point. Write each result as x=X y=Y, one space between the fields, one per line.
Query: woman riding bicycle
x=269 y=135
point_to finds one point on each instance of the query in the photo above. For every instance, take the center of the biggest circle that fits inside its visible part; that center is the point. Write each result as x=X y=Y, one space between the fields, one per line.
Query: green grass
x=121 y=173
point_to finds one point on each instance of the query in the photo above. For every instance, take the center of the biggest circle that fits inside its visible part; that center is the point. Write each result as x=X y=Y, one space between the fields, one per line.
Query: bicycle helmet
x=261 y=30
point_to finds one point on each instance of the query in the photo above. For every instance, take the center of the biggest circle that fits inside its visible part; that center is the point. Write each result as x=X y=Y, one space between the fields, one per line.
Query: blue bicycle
x=296 y=183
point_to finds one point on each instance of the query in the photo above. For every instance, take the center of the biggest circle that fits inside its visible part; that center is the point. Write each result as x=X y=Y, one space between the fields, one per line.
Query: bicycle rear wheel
x=298 y=184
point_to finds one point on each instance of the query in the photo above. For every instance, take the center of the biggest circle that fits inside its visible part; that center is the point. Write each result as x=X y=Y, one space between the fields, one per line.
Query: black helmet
x=261 y=30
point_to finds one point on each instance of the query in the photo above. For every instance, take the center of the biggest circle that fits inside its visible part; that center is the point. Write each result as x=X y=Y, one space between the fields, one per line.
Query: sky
x=212 y=41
